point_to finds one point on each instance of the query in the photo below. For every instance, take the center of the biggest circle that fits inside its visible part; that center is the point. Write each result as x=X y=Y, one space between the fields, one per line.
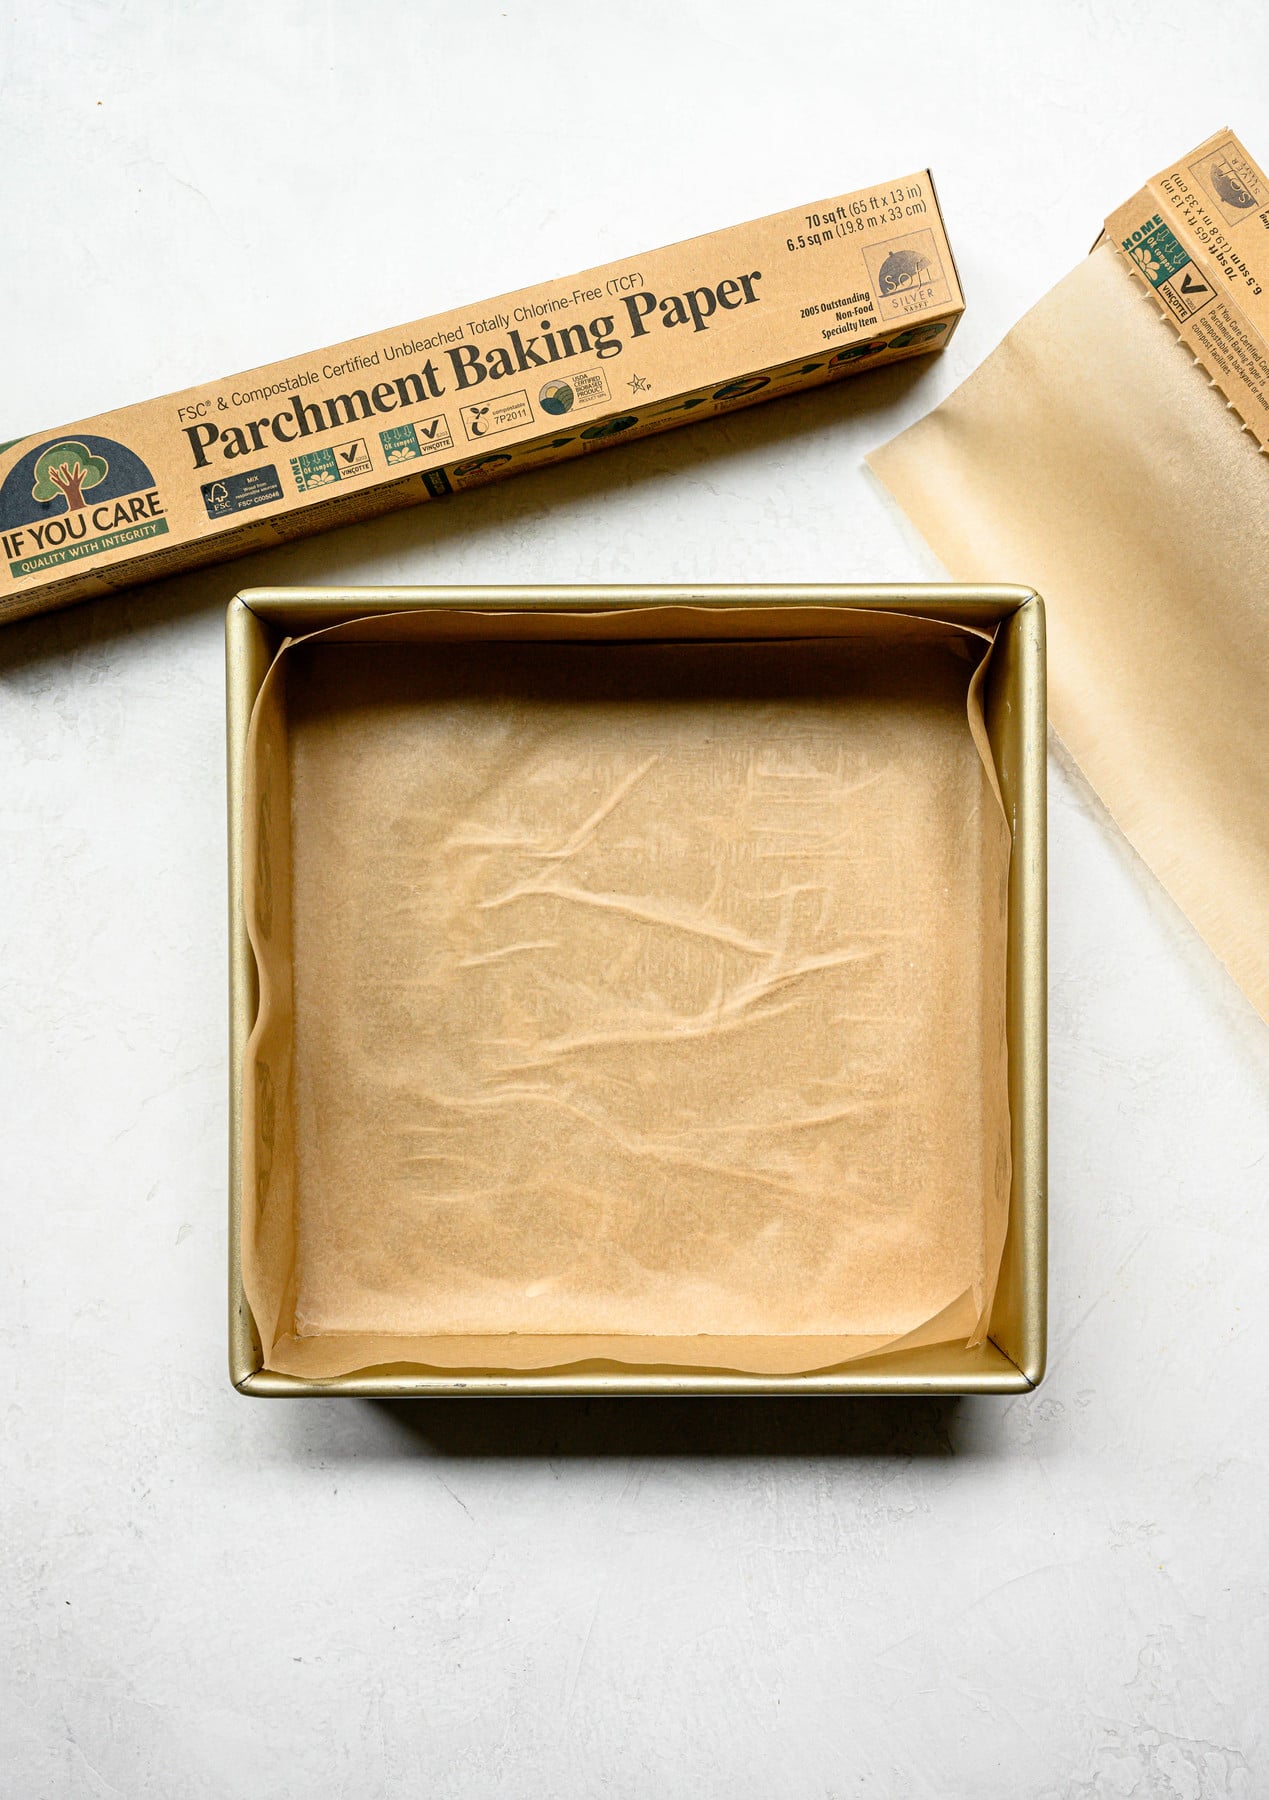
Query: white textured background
x=211 y=1598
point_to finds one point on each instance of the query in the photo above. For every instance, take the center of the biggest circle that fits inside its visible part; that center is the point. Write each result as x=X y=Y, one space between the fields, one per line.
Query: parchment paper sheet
x=631 y=1002
x=1089 y=457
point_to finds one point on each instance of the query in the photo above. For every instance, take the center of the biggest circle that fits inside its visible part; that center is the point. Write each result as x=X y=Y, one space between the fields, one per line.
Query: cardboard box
x=1195 y=239
x=766 y=622
x=463 y=398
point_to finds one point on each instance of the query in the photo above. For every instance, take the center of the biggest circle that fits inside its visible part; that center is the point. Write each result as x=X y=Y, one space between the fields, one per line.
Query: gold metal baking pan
x=1011 y=1360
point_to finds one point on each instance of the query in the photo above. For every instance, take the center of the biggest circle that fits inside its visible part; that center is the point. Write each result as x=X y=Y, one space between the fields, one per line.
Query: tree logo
x=72 y=497
x=68 y=469
x=65 y=477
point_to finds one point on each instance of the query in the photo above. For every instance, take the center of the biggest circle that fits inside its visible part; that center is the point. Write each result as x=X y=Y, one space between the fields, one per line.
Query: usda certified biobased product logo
x=587 y=387
x=73 y=497
x=556 y=397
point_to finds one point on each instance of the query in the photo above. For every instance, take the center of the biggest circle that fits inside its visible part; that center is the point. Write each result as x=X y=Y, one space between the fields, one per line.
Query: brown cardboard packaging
x=476 y=393
x=1197 y=239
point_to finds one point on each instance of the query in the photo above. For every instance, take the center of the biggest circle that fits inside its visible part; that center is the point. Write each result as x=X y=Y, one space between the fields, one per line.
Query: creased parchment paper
x=1091 y=458
x=638 y=1002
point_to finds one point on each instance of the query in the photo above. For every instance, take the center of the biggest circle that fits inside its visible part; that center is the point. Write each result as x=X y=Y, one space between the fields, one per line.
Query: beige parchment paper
x=1091 y=458
x=639 y=1002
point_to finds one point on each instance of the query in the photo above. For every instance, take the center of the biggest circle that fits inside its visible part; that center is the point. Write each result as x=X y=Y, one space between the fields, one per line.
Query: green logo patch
x=1157 y=253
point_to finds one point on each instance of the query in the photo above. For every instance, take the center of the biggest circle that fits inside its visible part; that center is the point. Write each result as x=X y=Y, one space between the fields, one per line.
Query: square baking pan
x=1011 y=1359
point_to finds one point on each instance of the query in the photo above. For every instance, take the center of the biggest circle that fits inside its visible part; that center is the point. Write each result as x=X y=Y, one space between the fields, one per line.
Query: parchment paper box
x=322 y=683
x=463 y=398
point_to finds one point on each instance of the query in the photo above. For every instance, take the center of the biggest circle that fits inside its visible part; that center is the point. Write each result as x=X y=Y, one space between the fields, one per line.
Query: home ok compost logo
x=73 y=497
